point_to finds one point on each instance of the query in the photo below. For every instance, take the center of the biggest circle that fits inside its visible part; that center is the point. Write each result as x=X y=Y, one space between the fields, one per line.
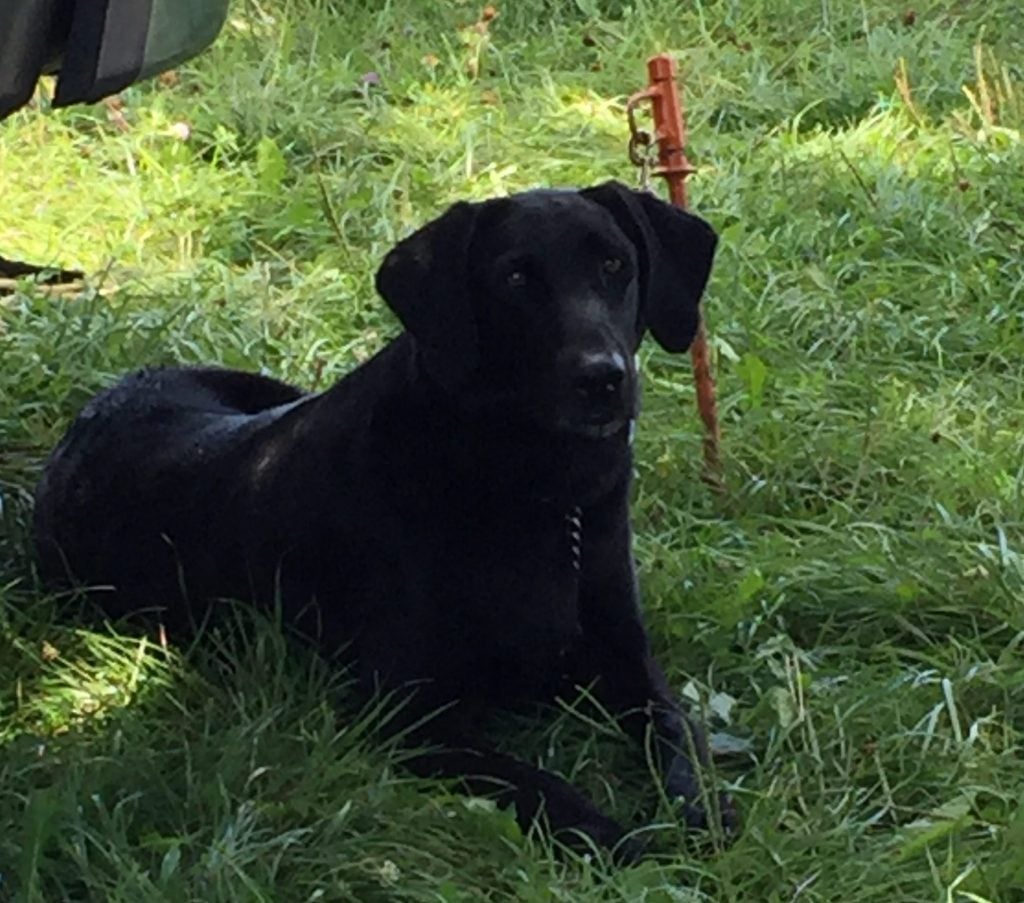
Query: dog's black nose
x=598 y=376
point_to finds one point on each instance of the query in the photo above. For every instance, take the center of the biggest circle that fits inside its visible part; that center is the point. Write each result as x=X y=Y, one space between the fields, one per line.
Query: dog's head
x=538 y=301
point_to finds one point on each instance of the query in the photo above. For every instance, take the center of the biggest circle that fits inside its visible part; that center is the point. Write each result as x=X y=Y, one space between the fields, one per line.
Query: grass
x=851 y=609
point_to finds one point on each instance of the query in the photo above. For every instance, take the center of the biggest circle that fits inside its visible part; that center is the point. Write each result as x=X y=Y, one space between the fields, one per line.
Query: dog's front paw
x=577 y=824
x=593 y=828
x=683 y=786
x=596 y=826
x=696 y=816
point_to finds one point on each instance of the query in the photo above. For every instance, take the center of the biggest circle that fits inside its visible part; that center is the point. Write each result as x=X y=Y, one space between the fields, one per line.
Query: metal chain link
x=641 y=149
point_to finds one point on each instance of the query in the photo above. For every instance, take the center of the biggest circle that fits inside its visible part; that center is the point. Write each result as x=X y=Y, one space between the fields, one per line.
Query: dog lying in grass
x=454 y=513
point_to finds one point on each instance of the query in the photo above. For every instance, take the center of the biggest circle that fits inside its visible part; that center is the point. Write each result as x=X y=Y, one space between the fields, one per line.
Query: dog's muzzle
x=600 y=400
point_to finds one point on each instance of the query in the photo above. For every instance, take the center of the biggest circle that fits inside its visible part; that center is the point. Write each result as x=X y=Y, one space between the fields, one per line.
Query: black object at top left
x=97 y=47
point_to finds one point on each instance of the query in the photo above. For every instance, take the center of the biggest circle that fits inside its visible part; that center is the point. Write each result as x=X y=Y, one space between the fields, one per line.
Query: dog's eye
x=612 y=264
x=516 y=278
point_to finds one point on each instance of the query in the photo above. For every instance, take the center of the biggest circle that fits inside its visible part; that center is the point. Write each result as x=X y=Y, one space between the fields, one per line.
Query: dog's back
x=108 y=475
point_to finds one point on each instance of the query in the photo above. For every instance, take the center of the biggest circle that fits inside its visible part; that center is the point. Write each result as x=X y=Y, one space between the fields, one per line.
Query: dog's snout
x=597 y=391
x=599 y=375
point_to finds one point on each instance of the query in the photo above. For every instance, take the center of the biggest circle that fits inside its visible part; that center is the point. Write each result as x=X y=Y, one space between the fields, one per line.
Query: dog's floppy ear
x=424 y=280
x=675 y=250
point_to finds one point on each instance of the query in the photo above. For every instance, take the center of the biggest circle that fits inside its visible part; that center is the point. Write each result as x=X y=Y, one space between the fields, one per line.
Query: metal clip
x=640 y=157
x=641 y=147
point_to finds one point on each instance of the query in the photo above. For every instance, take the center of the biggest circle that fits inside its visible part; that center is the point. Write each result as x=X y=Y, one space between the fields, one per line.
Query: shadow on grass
x=237 y=766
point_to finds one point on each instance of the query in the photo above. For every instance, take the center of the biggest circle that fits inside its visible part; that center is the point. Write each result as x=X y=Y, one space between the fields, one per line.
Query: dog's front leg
x=536 y=794
x=616 y=653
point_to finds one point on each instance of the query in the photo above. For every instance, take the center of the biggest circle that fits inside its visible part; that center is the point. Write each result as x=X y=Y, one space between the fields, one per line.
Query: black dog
x=455 y=511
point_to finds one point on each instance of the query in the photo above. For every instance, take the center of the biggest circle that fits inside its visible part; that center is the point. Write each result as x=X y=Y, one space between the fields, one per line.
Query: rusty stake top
x=670 y=133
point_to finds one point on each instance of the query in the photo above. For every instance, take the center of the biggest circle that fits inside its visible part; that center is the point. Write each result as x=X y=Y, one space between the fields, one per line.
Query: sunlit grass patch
x=81 y=676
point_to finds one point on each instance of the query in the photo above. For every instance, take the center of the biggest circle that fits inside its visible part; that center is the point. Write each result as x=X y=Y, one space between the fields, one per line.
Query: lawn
x=850 y=611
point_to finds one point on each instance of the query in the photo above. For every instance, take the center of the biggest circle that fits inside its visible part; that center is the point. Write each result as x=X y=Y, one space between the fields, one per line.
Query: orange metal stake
x=670 y=135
